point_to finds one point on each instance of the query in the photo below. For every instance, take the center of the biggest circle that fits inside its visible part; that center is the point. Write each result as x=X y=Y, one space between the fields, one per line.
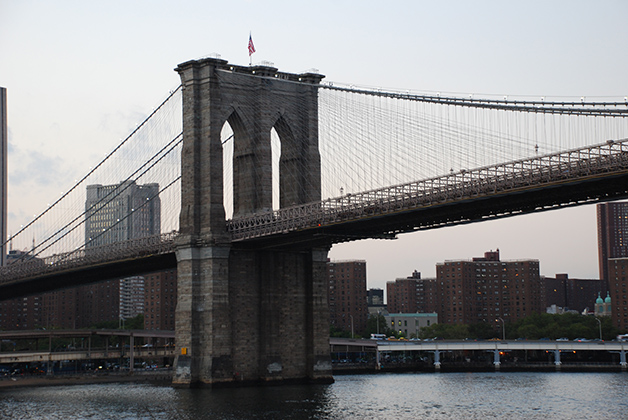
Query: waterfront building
x=409 y=325
x=347 y=295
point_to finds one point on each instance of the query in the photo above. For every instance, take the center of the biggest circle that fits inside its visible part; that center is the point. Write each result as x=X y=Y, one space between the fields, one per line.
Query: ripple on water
x=382 y=396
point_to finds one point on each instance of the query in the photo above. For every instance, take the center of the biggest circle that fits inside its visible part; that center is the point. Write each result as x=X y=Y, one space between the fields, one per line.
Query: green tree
x=482 y=330
x=446 y=331
x=372 y=326
x=338 y=333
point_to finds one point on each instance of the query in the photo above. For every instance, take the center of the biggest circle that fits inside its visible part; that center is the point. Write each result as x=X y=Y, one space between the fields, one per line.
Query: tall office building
x=612 y=235
x=4 y=139
x=116 y=213
x=347 y=295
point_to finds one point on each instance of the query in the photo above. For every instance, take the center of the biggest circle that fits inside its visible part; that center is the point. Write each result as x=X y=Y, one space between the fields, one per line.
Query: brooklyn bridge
x=259 y=172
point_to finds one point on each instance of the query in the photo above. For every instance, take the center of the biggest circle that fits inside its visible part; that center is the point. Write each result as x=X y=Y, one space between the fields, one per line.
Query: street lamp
x=600 y=323
x=503 y=328
x=351 y=325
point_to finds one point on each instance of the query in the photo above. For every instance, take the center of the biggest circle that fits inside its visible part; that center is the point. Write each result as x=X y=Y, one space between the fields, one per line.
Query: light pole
x=600 y=324
x=351 y=325
x=503 y=328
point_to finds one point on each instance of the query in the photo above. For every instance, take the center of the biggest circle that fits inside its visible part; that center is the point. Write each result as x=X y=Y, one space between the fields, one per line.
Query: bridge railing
x=611 y=156
x=134 y=248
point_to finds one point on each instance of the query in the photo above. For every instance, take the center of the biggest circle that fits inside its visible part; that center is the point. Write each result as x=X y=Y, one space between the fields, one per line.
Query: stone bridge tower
x=246 y=315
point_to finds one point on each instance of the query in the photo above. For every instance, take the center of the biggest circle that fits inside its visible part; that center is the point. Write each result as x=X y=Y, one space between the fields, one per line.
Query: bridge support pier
x=248 y=313
x=557 y=361
x=262 y=318
x=437 y=360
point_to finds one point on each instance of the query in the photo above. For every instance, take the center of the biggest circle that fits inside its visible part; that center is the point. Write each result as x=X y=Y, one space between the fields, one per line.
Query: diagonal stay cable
x=97 y=166
x=177 y=140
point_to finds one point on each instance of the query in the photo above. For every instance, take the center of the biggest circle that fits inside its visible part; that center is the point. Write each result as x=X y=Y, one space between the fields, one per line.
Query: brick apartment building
x=483 y=289
x=486 y=289
x=572 y=294
x=411 y=294
x=618 y=286
x=347 y=295
x=84 y=306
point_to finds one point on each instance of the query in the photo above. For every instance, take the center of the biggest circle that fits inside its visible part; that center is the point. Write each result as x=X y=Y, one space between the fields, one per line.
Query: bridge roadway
x=438 y=346
x=131 y=352
x=338 y=344
x=580 y=176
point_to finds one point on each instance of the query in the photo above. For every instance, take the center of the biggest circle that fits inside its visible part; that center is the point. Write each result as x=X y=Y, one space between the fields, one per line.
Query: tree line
x=533 y=327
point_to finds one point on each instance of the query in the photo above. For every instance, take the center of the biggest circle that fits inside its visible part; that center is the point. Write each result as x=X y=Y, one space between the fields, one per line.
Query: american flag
x=251 y=47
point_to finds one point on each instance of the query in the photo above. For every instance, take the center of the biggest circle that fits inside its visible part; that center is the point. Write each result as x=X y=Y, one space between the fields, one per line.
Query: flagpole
x=251 y=49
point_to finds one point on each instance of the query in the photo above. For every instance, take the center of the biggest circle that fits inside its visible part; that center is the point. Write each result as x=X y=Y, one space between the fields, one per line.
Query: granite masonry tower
x=248 y=316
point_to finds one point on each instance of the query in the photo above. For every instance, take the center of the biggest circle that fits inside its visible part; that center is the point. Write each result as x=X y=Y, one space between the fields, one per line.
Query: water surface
x=378 y=396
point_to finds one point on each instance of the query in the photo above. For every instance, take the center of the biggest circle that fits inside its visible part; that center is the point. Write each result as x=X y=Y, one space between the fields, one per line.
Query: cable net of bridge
x=128 y=201
x=369 y=140
x=379 y=148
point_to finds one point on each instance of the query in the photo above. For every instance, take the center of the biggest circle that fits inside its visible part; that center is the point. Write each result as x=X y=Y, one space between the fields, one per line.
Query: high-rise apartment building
x=160 y=301
x=618 y=290
x=347 y=295
x=486 y=289
x=132 y=297
x=612 y=235
x=410 y=295
x=571 y=294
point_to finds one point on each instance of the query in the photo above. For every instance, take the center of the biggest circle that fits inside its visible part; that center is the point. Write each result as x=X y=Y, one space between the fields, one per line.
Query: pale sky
x=80 y=74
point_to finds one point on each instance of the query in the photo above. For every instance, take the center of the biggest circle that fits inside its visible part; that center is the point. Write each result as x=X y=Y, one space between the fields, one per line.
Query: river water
x=465 y=396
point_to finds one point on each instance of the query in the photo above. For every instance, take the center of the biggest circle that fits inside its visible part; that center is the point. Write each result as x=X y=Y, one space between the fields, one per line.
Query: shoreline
x=165 y=378
x=158 y=378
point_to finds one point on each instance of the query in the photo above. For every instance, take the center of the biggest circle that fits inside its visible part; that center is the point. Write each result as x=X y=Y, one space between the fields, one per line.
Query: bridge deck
x=587 y=175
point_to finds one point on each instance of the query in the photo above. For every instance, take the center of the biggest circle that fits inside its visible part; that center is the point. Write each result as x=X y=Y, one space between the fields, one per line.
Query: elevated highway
x=497 y=348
